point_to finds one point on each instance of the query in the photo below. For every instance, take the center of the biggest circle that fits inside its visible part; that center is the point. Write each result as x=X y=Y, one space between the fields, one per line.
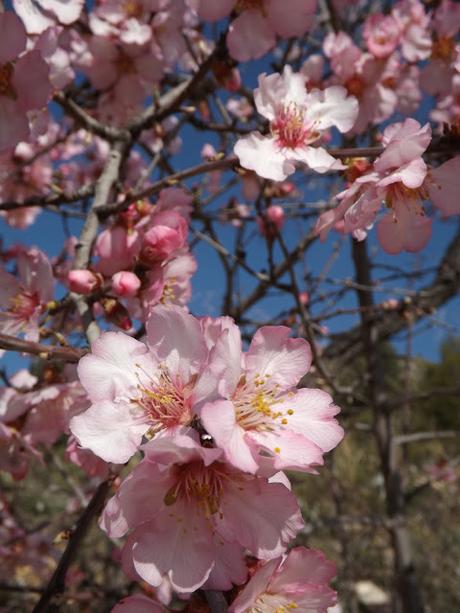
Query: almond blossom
x=23 y=299
x=193 y=516
x=24 y=82
x=135 y=388
x=401 y=180
x=297 y=120
x=297 y=581
x=261 y=419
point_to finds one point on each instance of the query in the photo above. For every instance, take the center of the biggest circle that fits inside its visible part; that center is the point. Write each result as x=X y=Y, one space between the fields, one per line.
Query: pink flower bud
x=272 y=222
x=208 y=151
x=125 y=283
x=83 y=281
x=167 y=235
x=304 y=298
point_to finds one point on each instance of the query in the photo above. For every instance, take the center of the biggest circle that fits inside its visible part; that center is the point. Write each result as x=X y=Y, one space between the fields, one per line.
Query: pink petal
x=110 y=370
x=35 y=21
x=406 y=228
x=31 y=81
x=288 y=450
x=219 y=420
x=404 y=142
x=257 y=585
x=67 y=11
x=316 y=158
x=412 y=174
x=304 y=565
x=179 y=545
x=111 y=430
x=14 y=125
x=263 y=516
x=175 y=338
x=250 y=36
x=272 y=352
x=138 y=500
x=262 y=155
x=332 y=107
x=291 y=17
x=313 y=417
x=445 y=188
x=229 y=568
x=215 y=10
x=13 y=37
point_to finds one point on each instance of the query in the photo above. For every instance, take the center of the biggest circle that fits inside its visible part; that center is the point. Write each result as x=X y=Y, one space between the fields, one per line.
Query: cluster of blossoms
x=143 y=259
x=208 y=427
x=220 y=425
x=400 y=179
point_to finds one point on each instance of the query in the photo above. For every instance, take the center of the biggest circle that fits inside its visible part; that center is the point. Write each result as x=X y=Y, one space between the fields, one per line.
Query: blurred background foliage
x=343 y=506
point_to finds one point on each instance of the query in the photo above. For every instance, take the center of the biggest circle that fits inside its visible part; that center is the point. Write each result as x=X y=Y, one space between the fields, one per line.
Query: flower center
x=257 y=405
x=355 y=86
x=169 y=295
x=398 y=192
x=289 y=127
x=198 y=484
x=24 y=304
x=164 y=401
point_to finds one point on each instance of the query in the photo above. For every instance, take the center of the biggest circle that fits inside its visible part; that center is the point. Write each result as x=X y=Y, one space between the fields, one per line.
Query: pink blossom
x=24 y=80
x=262 y=418
x=297 y=119
x=298 y=581
x=125 y=72
x=399 y=179
x=381 y=34
x=116 y=247
x=168 y=282
x=361 y=74
x=193 y=516
x=414 y=25
x=125 y=283
x=136 y=388
x=167 y=235
x=23 y=298
x=83 y=281
x=38 y=15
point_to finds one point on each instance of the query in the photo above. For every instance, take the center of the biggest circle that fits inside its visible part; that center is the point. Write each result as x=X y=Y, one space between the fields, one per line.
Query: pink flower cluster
x=220 y=425
x=143 y=259
x=400 y=179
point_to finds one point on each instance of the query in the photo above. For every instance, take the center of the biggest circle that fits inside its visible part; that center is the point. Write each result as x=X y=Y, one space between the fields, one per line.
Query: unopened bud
x=84 y=281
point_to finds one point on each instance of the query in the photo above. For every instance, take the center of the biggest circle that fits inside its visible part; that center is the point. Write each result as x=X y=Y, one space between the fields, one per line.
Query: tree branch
x=46 y=352
x=56 y=584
